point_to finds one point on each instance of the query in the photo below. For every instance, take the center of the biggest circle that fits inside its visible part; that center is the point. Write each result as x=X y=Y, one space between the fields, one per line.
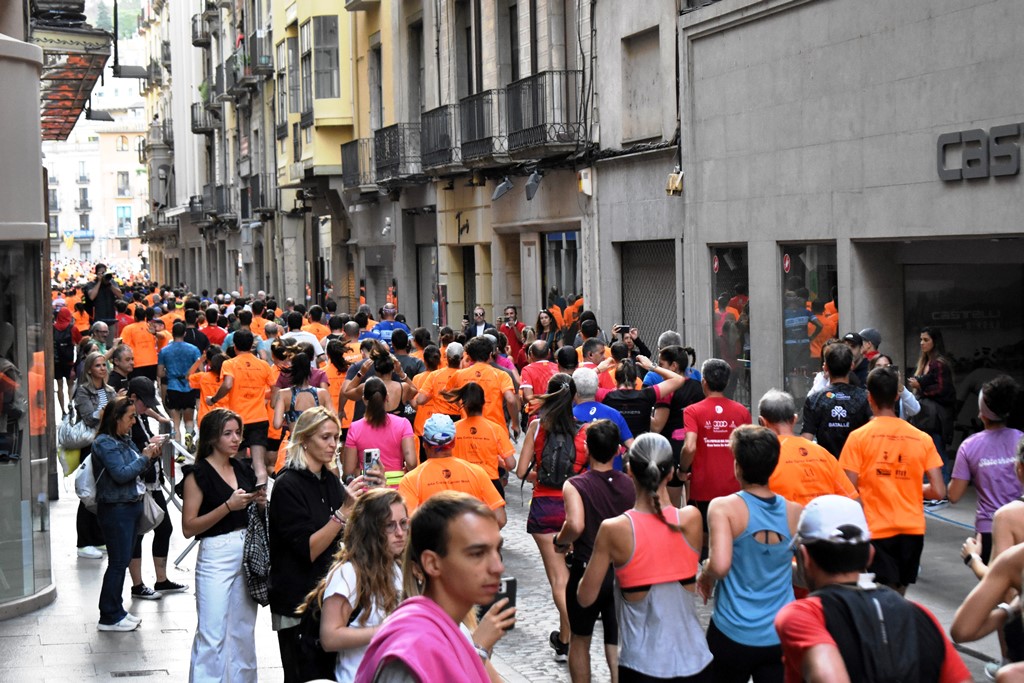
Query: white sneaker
x=132 y=617
x=125 y=624
x=90 y=552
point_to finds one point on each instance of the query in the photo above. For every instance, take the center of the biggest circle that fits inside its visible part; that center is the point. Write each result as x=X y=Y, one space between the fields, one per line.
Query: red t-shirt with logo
x=713 y=420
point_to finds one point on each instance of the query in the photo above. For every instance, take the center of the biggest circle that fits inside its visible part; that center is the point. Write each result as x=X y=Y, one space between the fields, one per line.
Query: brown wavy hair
x=366 y=547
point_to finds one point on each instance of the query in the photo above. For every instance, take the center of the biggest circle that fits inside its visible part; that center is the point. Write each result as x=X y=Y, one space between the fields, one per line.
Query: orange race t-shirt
x=434 y=384
x=335 y=380
x=259 y=326
x=448 y=474
x=175 y=315
x=806 y=471
x=248 y=395
x=494 y=383
x=318 y=330
x=483 y=443
x=889 y=457
x=142 y=342
x=207 y=383
x=272 y=432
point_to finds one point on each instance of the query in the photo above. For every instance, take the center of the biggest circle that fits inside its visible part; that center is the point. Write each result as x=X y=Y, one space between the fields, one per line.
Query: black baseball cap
x=143 y=389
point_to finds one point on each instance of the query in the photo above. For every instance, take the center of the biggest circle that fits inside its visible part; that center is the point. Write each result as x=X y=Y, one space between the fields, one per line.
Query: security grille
x=649 y=292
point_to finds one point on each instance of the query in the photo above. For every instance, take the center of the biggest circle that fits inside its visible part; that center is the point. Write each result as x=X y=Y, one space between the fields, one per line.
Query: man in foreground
x=850 y=631
x=455 y=551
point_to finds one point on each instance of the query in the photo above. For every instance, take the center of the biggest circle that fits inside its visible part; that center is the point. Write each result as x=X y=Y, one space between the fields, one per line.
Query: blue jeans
x=118 y=521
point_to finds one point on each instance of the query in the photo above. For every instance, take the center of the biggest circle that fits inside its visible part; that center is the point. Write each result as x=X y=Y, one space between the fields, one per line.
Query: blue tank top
x=760 y=580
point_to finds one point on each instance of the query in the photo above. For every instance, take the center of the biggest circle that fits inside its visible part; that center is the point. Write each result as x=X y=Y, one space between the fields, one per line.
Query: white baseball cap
x=833 y=519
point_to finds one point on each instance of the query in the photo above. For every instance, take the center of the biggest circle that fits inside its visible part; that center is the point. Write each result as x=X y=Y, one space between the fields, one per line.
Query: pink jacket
x=424 y=638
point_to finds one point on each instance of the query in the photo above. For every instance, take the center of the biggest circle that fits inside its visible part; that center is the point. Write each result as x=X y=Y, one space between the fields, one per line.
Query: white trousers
x=224 y=648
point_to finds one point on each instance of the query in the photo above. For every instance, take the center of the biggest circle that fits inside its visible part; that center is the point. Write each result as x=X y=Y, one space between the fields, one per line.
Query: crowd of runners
x=350 y=472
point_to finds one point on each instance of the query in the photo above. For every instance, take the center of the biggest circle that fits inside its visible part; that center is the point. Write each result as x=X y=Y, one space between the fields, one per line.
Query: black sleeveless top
x=216 y=492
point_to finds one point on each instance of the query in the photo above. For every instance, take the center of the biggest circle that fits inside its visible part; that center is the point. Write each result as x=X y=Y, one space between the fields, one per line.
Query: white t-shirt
x=303 y=336
x=343 y=582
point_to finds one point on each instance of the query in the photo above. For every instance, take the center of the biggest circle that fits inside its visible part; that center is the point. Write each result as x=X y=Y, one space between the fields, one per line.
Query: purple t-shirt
x=988 y=459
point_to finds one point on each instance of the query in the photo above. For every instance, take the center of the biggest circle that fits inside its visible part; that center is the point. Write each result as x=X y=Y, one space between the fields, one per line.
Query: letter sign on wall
x=982 y=155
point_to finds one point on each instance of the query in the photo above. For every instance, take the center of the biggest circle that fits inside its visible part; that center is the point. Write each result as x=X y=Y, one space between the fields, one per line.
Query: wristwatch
x=1011 y=613
x=484 y=654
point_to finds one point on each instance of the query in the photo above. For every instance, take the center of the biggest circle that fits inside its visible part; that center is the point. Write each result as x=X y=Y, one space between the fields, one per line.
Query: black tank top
x=605 y=495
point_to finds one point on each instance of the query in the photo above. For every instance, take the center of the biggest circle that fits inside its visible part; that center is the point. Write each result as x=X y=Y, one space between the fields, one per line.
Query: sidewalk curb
x=507 y=673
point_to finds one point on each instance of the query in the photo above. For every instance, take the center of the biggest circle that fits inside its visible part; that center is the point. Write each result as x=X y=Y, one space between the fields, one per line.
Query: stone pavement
x=60 y=642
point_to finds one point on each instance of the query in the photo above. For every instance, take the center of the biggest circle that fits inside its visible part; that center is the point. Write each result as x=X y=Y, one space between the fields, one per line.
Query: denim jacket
x=117 y=465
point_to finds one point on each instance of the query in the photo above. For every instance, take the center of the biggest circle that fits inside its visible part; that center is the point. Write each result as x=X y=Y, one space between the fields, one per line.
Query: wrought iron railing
x=200 y=31
x=545 y=109
x=482 y=121
x=357 y=168
x=261 y=57
x=165 y=54
x=141 y=148
x=396 y=151
x=440 y=137
x=196 y=207
x=83 y=178
x=154 y=73
x=83 y=205
x=203 y=121
x=263 y=192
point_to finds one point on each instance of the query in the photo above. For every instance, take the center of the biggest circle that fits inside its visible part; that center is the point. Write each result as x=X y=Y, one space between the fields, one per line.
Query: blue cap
x=438 y=430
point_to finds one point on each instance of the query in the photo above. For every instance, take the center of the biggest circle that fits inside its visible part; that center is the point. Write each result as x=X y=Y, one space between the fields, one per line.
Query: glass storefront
x=562 y=267
x=809 y=312
x=24 y=455
x=730 y=309
x=980 y=310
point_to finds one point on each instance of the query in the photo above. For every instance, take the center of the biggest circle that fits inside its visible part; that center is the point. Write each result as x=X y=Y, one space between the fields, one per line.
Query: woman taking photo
x=217 y=493
x=390 y=434
x=933 y=384
x=365 y=583
x=91 y=395
x=547 y=509
x=547 y=330
x=117 y=466
x=308 y=511
x=655 y=551
x=637 y=405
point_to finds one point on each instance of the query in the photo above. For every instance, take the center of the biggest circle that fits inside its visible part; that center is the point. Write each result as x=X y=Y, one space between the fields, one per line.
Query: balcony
x=53 y=180
x=124 y=192
x=361 y=5
x=83 y=178
x=154 y=73
x=84 y=235
x=83 y=205
x=544 y=114
x=165 y=54
x=220 y=93
x=160 y=133
x=261 y=57
x=440 y=131
x=216 y=201
x=263 y=193
x=244 y=73
x=484 y=134
x=357 y=169
x=141 y=147
x=196 y=208
x=200 y=31
x=203 y=122
x=396 y=151
x=54 y=206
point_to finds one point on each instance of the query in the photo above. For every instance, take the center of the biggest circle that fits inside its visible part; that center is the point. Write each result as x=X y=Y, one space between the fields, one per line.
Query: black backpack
x=315 y=663
x=63 y=346
x=882 y=637
x=558 y=457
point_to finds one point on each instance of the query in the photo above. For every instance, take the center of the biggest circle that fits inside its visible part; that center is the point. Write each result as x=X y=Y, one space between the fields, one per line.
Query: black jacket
x=300 y=505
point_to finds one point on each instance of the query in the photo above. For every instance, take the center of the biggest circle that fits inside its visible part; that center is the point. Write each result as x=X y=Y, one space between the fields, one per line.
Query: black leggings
x=86 y=523
x=738 y=663
x=161 y=534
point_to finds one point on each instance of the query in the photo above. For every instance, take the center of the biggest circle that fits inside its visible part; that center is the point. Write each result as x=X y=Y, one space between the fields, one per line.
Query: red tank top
x=660 y=555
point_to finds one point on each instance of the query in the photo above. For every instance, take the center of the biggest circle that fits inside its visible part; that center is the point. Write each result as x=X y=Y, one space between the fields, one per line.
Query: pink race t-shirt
x=713 y=420
x=387 y=438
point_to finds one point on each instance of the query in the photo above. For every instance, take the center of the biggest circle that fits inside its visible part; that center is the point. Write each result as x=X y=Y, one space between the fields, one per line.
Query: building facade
x=862 y=150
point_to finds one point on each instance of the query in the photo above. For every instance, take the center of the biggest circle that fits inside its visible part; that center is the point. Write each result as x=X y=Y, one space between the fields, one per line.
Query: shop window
x=730 y=311
x=561 y=264
x=25 y=409
x=809 y=312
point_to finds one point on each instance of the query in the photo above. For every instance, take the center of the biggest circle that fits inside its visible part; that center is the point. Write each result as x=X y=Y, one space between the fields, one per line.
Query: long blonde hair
x=303 y=429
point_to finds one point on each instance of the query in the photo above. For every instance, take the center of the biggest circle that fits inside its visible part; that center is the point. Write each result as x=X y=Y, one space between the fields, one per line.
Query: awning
x=72 y=63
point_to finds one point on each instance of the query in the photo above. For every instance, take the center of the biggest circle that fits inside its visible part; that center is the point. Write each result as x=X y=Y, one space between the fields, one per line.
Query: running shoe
x=125 y=624
x=190 y=442
x=561 y=649
x=90 y=552
x=132 y=617
x=936 y=504
x=144 y=592
x=169 y=586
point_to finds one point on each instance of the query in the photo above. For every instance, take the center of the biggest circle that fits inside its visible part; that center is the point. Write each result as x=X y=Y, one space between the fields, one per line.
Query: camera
x=107 y=277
